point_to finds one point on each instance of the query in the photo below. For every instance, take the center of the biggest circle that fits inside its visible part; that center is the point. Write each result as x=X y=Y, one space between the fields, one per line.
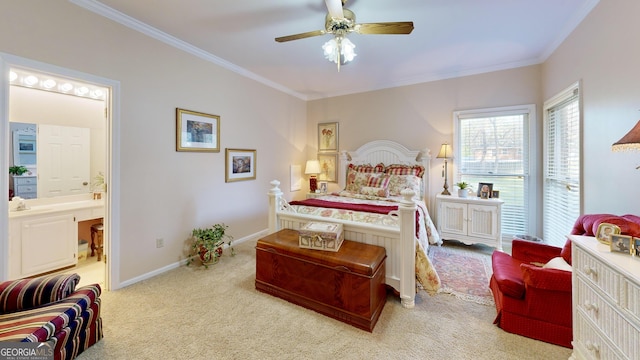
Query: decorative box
x=321 y=236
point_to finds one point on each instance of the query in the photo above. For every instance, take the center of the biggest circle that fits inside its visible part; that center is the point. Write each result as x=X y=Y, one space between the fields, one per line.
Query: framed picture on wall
x=196 y=131
x=328 y=167
x=240 y=165
x=328 y=137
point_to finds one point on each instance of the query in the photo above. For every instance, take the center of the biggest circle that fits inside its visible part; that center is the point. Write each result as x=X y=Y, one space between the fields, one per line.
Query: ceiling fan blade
x=335 y=8
x=301 y=36
x=401 y=27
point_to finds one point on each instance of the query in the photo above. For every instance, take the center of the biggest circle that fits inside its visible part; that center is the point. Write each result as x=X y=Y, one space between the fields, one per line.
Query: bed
x=405 y=232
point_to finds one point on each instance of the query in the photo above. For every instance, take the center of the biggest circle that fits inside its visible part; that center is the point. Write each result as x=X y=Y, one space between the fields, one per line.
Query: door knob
x=84 y=183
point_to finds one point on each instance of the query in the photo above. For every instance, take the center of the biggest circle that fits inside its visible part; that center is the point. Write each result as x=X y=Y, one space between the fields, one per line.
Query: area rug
x=463 y=272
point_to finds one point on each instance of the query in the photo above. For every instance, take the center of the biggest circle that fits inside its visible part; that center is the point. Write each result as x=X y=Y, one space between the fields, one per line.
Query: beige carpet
x=193 y=313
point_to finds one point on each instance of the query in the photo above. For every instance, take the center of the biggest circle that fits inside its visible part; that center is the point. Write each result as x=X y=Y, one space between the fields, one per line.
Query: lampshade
x=631 y=141
x=445 y=151
x=339 y=50
x=312 y=168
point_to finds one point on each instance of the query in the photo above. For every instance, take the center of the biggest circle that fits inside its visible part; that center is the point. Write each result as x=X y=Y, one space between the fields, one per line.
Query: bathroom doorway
x=47 y=75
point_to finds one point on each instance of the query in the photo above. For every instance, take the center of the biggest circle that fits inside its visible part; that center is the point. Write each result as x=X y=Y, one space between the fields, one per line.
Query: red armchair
x=535 y=301
x=531 y=300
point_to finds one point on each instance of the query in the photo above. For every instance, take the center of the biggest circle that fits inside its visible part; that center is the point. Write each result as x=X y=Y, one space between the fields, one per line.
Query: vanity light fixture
x=49 y=84
x=31 y=79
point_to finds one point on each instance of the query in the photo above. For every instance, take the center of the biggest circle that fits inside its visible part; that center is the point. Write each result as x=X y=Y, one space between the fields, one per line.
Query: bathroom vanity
x=44 y=237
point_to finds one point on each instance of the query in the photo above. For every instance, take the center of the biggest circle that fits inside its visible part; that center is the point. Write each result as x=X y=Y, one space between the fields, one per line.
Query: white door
x=63 y=160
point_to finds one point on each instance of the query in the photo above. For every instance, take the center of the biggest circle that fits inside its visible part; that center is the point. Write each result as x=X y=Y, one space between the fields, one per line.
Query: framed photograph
x=636 y=247
x=196 y=131
x=604 y=232
x=495 y=194
x=328 y=167
x=328 y=137
x=486 y=188
x=240 y=165
x=621 y=244
x=323 y=187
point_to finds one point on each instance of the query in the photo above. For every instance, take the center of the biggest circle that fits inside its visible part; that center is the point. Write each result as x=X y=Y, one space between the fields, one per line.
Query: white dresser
x=606 y=302
x=470 y=220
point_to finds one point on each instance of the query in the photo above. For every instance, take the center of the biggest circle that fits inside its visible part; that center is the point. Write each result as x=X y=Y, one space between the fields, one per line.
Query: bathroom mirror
x=61 y=121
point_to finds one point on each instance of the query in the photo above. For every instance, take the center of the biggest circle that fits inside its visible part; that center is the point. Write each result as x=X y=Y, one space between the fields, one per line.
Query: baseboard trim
x=182 y=262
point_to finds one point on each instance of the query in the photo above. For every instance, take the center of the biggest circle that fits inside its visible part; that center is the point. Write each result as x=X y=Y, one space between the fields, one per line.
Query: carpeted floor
x=193 y=313
x=464 y=272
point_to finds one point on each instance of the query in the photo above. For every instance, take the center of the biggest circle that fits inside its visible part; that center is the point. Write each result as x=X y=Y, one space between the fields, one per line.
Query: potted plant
x=208 y=244
x=17 y=170
x=463 y=189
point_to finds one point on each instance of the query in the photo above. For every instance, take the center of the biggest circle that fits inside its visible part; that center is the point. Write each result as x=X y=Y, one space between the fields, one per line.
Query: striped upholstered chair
x=51 y=310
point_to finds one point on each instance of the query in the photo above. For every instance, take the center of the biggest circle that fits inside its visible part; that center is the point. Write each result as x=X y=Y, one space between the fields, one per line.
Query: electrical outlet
x=159 y=242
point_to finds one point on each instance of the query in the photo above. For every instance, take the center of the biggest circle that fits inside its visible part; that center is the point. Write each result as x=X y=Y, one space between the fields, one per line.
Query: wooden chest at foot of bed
x=348 y=285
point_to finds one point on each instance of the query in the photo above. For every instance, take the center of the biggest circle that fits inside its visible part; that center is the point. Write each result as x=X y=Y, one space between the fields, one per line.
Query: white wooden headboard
x=387 y=152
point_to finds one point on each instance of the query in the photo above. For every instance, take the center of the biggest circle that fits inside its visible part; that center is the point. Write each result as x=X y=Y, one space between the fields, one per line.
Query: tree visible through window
x=492 y=146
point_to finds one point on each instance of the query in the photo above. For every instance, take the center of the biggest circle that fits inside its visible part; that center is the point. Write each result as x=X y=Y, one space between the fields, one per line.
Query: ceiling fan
x=341 y=21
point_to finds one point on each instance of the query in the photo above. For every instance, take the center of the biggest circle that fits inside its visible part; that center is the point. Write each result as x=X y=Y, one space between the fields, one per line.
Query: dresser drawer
x=26 y=188
x=632 y=305
x=610 y=321
x=25 y=180
x=597 y=274
x=590 y=343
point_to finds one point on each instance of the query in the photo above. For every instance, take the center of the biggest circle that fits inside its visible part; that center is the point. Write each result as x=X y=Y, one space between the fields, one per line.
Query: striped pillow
x=400 y=169
x=367 y=168
x=28 y=293
x=379 y=181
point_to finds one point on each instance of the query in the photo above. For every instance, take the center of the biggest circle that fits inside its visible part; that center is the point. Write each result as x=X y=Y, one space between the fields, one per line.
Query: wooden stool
x=97 y=231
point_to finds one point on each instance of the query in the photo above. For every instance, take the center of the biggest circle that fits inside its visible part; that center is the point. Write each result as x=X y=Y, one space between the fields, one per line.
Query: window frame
x=531 y=171
x=555 y=100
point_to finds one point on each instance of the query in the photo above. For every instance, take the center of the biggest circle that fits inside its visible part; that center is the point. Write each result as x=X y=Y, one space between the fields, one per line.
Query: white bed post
x=275 y=194
x=407 y=210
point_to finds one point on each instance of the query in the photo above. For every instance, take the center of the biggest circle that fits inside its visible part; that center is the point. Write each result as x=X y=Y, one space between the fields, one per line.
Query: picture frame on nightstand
x=485 y=188
x=636 y=247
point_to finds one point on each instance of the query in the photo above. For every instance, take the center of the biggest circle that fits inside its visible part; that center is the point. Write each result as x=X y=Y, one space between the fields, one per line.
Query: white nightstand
x=470 y=220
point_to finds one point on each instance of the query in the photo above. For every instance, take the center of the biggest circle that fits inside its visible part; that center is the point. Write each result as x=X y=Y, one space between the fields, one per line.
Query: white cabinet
x=25 y=186
x=470 y=220
x=606 y=301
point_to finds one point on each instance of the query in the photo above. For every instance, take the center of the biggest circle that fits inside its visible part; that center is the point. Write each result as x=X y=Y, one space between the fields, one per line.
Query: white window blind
x=492 y=146
x=561 y=199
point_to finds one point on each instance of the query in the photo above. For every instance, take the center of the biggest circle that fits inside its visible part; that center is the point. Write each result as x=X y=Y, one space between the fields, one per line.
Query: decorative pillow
x=400 y=169
x=397 y=183
x=368 y=168
x=356 y=180
x=378 y=180
x=557 y=263
x=375 y=191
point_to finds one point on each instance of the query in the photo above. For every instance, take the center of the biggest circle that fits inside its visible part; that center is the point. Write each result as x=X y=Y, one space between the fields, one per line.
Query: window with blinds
x=492 y=145
x=561 y=190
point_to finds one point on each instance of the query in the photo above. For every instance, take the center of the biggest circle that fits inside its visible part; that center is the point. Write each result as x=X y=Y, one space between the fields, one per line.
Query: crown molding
x=130 y=22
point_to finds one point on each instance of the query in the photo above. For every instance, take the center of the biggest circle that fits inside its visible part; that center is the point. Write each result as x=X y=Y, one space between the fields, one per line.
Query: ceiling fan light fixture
x=339 y=50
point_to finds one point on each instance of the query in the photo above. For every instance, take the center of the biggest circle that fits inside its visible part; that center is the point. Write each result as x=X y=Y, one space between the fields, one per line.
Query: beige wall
x=164 y=193
x=421 y=116
x=603 y=53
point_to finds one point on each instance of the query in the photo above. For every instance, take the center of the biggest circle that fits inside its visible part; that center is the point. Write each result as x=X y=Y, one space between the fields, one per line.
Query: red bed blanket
x=377 y=209
x=370 y=208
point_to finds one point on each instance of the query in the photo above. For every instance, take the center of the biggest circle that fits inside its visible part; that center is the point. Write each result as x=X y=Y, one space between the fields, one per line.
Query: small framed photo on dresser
x=636 y=247
x=622 y=244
